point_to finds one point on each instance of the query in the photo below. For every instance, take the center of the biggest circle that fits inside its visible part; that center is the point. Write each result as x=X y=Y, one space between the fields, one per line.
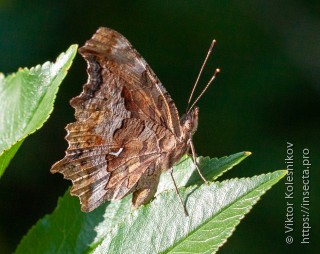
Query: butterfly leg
x=195 y=160
x=177 y=191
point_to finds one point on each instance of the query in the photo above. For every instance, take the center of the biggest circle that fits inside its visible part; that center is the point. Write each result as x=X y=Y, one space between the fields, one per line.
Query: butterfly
x=127 y=129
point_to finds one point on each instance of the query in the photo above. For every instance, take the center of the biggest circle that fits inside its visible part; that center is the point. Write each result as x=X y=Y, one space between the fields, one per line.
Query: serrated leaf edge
x=73 y=46
x=143 y=208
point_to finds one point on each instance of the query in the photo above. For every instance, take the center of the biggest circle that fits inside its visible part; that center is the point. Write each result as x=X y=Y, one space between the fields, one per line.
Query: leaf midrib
x=211 y=218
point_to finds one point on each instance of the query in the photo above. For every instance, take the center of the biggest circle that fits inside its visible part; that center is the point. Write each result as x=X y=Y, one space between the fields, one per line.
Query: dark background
x=268 y=94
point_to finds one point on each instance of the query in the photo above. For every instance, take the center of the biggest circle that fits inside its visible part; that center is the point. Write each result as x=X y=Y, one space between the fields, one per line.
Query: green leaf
x=214 y=212
x=7 y=156
x=185 y=173
x=68 y=230
x=26 y=101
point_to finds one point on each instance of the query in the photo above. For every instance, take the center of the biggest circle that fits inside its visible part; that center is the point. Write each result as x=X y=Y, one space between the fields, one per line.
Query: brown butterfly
x=127 y=130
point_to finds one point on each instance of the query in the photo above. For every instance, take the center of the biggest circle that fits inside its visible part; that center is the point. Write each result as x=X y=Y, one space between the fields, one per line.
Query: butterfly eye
x=196 y=111
x=188 y=124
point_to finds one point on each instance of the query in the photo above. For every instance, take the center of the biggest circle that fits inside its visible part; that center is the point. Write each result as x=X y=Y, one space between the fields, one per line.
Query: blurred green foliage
x=268 y=93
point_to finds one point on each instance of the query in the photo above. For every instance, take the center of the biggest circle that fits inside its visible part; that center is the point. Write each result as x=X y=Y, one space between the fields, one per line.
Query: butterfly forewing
x=145 y=97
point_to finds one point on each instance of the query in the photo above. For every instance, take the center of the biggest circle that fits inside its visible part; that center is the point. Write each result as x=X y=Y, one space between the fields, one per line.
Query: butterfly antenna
x=206 y=87
x=202 y=67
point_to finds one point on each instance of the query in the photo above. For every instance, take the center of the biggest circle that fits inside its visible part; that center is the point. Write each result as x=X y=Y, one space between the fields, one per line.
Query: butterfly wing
x=108 y=170
x=146 y=98
x=125 y=122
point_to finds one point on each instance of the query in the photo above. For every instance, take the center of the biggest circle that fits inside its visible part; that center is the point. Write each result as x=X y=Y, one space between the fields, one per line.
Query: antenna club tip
x=212 y=45
x=218 y=70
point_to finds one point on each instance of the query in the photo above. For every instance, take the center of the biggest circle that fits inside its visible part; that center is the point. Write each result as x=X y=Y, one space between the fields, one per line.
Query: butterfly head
x=189 y=121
